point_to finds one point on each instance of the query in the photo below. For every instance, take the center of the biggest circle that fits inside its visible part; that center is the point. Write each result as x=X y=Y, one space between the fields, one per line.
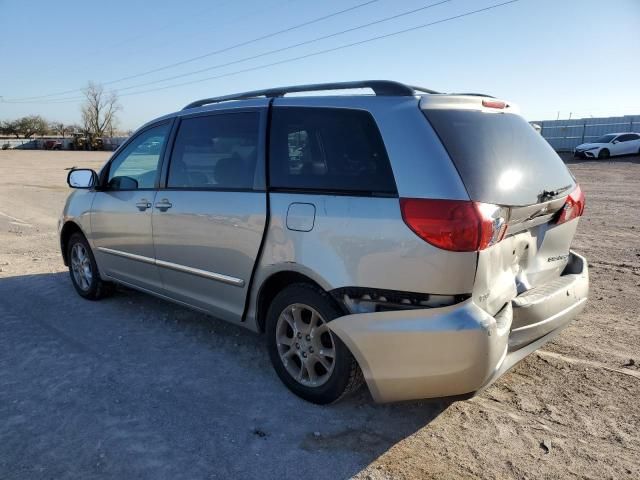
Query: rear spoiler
x=467 y=101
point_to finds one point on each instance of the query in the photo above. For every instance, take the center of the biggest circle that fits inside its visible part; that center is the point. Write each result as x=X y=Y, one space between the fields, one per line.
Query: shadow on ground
x=132 y=386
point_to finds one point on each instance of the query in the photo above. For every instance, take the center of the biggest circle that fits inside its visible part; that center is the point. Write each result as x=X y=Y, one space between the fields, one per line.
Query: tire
x=84 y=270
x=604 y=153
x=290 y=308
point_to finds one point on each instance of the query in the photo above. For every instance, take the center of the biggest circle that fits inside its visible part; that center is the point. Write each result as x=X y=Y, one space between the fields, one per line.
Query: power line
x=214 y=52
x=110 y=47
x=289 y=47
x=329 y=50
x=320 y=52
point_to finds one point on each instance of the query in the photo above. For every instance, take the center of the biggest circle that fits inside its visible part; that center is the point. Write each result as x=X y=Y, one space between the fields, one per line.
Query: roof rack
x=422 y=89
x=379 y=87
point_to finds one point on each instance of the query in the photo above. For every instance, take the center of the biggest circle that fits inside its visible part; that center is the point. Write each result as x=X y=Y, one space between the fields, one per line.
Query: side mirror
x=615 y=141
x=82 y=178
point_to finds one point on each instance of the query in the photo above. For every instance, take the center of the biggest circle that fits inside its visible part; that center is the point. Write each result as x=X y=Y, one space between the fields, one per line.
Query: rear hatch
x=504 y=162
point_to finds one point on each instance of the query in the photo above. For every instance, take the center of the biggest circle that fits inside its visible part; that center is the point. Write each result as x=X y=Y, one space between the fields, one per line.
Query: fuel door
x=301 y=217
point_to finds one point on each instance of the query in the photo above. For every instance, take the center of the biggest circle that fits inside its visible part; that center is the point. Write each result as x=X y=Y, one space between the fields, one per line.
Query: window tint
x=215 y=152
x=604 y=139
x=328 y=149
x=626 y=138
x=136 y=166
x=499 y=157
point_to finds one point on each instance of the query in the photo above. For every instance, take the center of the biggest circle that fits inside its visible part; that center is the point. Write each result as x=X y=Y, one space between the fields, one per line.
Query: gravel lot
x=134 y=387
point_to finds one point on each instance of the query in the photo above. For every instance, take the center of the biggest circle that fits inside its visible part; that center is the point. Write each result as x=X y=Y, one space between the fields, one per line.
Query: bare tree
x=60 y=128
x=99 y=110
x=10 y=128
x=32 y=125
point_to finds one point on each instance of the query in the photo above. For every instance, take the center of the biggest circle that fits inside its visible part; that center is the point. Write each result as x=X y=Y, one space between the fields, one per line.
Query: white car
x=610 y=145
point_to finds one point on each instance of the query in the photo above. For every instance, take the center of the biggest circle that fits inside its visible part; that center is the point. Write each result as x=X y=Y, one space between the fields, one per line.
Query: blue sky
x=549 y=56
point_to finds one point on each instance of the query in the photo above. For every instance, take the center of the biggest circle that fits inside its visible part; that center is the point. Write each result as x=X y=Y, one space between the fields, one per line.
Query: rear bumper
x=460 y=349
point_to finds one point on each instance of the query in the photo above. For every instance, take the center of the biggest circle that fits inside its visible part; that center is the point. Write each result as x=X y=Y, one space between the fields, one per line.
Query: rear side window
x=215 y=152
x=627 y=138
x=328 y=150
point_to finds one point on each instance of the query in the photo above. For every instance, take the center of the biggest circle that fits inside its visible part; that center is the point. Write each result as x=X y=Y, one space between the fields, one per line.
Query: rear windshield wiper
x=546 y=195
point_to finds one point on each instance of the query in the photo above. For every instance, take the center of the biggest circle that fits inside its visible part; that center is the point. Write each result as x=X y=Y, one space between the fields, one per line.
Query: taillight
x=457 y=225
x=573 y=207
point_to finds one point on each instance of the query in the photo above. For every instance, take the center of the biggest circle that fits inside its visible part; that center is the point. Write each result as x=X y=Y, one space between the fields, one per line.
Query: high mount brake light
x=456 y=225
x=494 y=104
x=573 y=207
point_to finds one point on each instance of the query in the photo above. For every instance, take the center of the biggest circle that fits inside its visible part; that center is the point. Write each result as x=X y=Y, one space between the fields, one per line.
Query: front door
x=121 y=212
x=209 y=221
x=617 y=146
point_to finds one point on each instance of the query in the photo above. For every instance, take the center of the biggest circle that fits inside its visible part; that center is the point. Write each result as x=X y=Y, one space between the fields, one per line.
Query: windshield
x=499 y=157
x=604 y=139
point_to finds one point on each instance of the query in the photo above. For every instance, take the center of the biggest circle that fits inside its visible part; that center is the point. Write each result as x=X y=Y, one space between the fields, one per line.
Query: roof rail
x=379 y=87
x=423 y=90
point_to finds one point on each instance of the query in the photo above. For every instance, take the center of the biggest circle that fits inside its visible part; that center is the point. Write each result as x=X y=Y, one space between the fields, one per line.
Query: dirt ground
x=134 y=387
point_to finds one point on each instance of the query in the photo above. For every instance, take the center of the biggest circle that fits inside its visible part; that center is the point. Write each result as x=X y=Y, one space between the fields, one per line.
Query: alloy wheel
x=81 y=266
x=305 y=345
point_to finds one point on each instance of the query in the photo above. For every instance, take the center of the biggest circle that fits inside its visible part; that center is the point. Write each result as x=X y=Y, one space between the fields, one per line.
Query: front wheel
x=84 y=270
x=307 y=356
x=604 y=153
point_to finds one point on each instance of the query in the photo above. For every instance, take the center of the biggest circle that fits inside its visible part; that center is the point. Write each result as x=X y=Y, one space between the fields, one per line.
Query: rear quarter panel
x=363 y=241
x=359 y=241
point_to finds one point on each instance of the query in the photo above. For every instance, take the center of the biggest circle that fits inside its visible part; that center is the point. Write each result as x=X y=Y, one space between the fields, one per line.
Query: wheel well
x=68 y=229
x=272 y=286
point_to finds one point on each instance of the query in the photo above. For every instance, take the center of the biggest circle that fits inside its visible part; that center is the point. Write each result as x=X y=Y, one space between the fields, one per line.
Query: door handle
x=163 y=205
x=143 y=204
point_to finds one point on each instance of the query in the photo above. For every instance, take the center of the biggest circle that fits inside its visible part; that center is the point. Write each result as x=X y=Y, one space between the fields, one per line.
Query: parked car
x=418 y=240
x=610 y=145
x=52 y=145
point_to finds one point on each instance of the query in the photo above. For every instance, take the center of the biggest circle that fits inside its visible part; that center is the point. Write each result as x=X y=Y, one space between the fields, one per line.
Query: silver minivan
x=415 y=240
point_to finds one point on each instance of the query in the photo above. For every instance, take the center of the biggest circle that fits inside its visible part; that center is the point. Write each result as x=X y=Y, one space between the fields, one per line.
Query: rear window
x=328 y=150
x=500 y=158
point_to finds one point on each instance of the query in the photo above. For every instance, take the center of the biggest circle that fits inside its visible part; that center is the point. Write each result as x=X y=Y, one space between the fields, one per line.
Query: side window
x=328 y=149
x=627 y=138
x=215 y=152
x=136 y=166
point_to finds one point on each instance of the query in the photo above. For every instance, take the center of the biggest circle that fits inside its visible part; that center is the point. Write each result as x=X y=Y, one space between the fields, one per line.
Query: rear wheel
x=84 y=270
x=309 y=359
x=604 y=153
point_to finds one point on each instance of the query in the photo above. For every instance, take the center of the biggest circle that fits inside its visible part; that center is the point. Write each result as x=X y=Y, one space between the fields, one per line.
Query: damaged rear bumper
x=461 y=349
